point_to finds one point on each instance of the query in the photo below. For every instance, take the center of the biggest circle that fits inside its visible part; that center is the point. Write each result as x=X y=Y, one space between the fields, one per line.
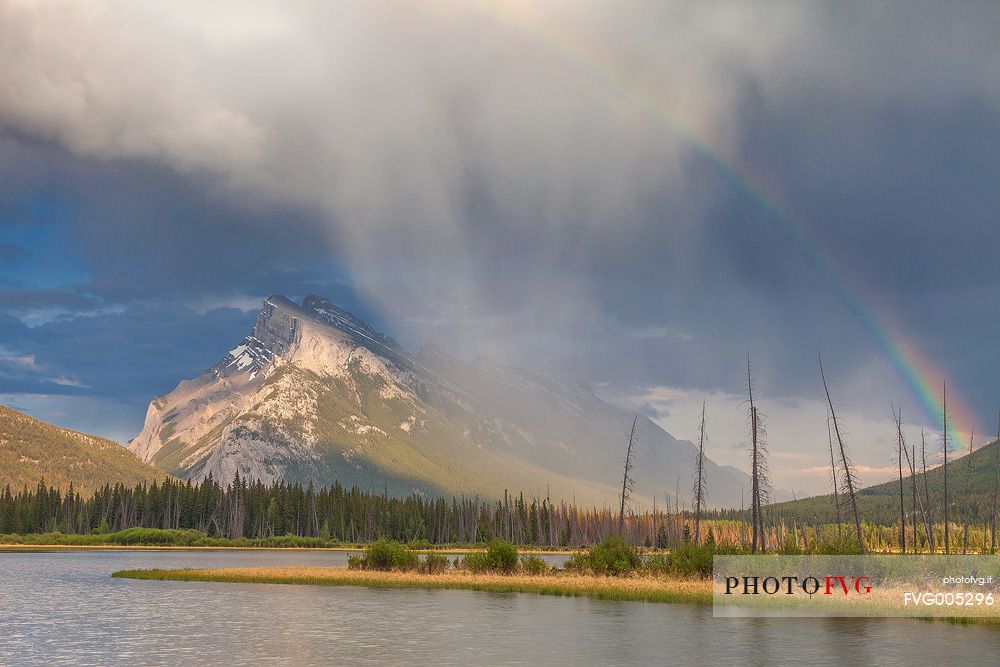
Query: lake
x=64 y=608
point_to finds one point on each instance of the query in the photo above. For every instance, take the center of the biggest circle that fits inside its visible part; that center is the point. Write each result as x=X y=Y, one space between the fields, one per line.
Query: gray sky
x=527 y=181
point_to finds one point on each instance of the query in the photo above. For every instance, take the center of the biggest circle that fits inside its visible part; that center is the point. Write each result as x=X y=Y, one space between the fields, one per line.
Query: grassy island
x=611 y=570
x=640 y=588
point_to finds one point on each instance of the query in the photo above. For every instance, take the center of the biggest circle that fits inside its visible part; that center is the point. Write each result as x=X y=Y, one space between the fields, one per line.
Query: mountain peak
x=315 y=393
x=325 y=311
x=277 y=324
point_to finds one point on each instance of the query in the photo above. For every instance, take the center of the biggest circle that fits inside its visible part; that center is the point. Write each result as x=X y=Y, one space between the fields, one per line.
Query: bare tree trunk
x=760 y=474
x=699 y=485
x=850 y=479
x=754 y=484
x=927 y=495
x=913 y=488
x=944 y=446
x=833 y=475
x=911 y=462
x=627 y=480
x=754 y=467
x=898 y=418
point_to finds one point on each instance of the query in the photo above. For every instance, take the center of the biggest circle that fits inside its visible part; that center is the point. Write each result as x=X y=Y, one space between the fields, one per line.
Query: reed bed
x=641 y=589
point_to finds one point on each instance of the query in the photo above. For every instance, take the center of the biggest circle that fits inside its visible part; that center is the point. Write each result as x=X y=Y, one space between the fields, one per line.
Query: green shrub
x=502 y=556
x=579 y=562
x=162 y=537
x=355 y=562
x=499 y=557
x=476 y=561
x=691 y=560
x=688 y=560
x=839 y=546
x=386 y=555
x=154 y=536
x=613 y=557
x=533 y=565
x=434 y=564
x=658 y=564
x=791 y=546
x=421 y=545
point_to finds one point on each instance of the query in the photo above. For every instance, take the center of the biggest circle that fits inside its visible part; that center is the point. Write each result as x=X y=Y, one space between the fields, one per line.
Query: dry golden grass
x=645 y=589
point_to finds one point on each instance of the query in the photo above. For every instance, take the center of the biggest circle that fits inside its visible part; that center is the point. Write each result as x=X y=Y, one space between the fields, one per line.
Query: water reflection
x=63 y=608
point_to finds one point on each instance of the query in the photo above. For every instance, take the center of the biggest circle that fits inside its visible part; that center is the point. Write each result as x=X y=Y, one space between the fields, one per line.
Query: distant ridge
x=32 y=451
x=970 y=488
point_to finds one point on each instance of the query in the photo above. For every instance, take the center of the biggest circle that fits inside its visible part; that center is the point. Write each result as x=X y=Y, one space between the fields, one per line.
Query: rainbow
x=617 y=89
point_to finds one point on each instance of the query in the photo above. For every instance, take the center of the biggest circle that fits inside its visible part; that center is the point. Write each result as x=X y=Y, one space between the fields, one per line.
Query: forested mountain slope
x=31 y=450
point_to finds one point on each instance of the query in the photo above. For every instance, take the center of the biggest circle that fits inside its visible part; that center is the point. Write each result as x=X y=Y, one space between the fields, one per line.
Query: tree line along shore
x=251 y=514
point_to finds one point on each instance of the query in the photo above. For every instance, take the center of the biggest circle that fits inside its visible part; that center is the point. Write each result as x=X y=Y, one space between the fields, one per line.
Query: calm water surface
x=64 y=608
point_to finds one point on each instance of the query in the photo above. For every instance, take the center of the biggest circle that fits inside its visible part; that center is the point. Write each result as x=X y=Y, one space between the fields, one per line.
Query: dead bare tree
x=761 y=473
x=911 y=462
x=897 y=417
x=759 y=490
x=850 y=477
x=833 y=473
x=968 y=490
x=927 y=494
x=753 y=462
x=699 y=483
x=915 y=502
x=944 y=447
x=627 y=481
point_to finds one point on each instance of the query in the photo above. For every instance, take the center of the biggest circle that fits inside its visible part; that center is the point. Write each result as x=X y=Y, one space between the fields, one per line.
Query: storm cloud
x=538 y=182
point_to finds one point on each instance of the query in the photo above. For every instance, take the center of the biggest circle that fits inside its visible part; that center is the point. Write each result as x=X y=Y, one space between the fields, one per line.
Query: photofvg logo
x=794 y=585
x=868 y=585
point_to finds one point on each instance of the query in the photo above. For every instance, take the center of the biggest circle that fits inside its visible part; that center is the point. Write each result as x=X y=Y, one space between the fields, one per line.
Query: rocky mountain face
x=315 y=394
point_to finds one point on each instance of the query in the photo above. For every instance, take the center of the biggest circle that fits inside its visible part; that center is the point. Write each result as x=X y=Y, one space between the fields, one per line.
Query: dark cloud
x=453 y=180
x=68 y=298
x=135 y=354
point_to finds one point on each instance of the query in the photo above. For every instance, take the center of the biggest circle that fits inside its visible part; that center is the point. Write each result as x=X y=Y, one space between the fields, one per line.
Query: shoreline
x=635 y=589
x=170 y=547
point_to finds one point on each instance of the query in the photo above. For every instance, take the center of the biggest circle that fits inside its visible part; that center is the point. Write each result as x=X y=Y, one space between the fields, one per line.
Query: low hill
x=970 y=489
x=31 y=450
